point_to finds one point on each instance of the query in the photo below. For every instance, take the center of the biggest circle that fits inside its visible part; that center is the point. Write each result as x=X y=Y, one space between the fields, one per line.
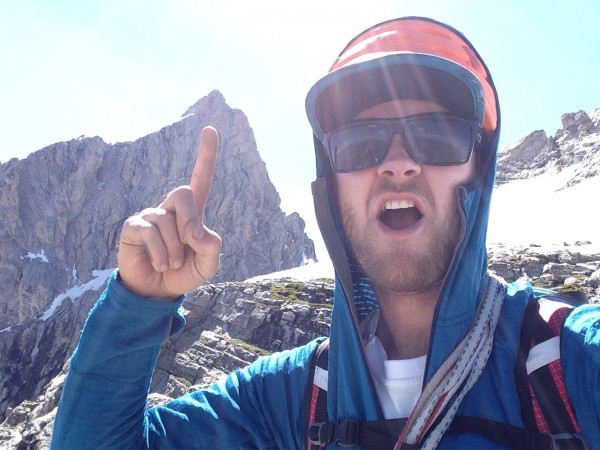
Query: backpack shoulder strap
x=544 y=401
x=380 y=434
x=317 y=393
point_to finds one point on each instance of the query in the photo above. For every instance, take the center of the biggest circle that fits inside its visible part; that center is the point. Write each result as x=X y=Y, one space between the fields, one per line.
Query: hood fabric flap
x=355 y=396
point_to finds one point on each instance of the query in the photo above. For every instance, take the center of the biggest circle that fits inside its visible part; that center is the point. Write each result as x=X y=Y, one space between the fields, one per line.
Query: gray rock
x=528 y=148
x=577 y=144
x=576 y=124
x=594 y=280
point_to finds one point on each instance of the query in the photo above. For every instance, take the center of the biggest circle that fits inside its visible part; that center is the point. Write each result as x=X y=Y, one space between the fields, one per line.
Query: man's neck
x=405 y=323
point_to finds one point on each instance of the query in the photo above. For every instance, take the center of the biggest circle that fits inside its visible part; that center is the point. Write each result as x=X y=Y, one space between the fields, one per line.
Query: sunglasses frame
x=398 y=125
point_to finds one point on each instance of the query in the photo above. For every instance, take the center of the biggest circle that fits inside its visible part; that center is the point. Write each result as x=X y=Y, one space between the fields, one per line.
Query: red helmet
x=410 y=57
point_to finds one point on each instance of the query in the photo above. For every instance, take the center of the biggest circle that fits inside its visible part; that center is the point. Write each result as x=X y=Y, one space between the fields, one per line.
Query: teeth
x=402 y=204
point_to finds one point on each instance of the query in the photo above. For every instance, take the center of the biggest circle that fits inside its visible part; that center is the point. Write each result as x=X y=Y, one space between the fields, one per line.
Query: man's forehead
x=400 y=108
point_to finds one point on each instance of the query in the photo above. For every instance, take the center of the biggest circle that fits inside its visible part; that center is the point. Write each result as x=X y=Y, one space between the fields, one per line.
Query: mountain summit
x=577 y=144
x=64 y=205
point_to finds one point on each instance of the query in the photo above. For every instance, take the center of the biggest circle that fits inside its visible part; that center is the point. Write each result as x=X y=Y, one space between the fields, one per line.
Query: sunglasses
x=431 y=139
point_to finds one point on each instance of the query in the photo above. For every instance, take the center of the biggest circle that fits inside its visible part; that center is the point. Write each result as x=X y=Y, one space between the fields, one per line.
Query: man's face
x=402 y=218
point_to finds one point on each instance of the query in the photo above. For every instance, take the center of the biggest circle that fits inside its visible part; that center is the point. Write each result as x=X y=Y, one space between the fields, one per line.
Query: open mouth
x=399 y=215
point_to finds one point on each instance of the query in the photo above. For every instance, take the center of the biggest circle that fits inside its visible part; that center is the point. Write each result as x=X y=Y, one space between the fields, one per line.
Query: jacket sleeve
x=580 y=354
x=104 y=396
x=260 y=406
x=103 y=405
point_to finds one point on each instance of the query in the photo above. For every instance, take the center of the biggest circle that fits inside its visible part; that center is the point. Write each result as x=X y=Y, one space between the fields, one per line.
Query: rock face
x=229 y=325
x=62 y=210
x=577 y=143
x=559 y=267
x=63 y=207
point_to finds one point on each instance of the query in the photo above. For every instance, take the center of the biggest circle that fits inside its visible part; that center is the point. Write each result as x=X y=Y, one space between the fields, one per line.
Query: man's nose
x=397 y=161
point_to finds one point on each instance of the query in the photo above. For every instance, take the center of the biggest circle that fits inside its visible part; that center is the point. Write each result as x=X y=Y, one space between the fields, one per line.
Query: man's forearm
x=104 y=396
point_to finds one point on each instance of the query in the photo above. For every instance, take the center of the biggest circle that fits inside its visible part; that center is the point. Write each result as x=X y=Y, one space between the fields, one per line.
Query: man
x=406 y=127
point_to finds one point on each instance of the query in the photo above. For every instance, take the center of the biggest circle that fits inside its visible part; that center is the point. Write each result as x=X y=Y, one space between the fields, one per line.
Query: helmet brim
x=337 y=98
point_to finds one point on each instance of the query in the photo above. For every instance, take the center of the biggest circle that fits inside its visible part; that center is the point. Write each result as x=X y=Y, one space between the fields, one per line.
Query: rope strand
x=445 y=391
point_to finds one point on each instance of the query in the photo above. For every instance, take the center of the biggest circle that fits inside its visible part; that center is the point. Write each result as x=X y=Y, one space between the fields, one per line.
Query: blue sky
x=121 y=69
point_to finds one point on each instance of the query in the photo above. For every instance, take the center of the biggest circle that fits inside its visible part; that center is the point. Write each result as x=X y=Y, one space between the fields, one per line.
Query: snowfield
x=540 y=211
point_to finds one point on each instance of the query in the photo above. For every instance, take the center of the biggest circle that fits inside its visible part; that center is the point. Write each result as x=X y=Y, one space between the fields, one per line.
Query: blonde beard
x=398 y=269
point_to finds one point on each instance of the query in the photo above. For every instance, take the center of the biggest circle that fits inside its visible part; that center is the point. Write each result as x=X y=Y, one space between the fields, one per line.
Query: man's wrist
x=147 y=296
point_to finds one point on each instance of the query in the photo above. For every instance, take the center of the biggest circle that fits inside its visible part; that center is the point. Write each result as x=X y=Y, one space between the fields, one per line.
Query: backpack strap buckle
x=341 y=432
x=567 y=441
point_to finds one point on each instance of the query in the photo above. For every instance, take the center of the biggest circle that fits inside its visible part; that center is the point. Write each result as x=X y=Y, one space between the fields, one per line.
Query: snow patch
x=96 y=283
x=309 y=271
x=33 y=256
x=540 y=211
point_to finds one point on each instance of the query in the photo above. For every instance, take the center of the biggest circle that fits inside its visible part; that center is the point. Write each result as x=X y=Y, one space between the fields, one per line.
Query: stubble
x=398 y=267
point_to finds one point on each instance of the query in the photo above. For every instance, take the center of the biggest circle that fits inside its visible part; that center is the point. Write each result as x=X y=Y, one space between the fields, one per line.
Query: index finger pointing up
x=204 y=166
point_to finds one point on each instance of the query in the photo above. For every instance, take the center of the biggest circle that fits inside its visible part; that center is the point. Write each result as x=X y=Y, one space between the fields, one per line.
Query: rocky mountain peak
x=212 y=102
x=576 y=145
x=63 y=207
x=68 y=200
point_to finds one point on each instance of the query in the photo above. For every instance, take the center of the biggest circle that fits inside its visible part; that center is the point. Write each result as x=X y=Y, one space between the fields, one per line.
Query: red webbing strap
x=551 y=406
x=318 y=397
x=545 y=404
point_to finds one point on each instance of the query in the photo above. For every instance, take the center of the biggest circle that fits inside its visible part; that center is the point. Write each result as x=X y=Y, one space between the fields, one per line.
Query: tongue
x=398 y=219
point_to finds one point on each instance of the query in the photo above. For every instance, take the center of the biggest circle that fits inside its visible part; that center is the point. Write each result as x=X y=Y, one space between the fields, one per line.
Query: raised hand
x=167 y=250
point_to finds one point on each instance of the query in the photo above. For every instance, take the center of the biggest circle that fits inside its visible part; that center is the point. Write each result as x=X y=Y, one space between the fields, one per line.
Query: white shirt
x=398 y=381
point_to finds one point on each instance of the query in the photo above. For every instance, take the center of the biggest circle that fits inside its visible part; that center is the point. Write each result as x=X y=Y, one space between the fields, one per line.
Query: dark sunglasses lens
x=358 y=147
x=439 y=141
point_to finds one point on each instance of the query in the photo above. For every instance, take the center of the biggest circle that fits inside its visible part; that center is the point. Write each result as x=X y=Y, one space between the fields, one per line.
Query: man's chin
x=404 y=270
x=405 y=282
